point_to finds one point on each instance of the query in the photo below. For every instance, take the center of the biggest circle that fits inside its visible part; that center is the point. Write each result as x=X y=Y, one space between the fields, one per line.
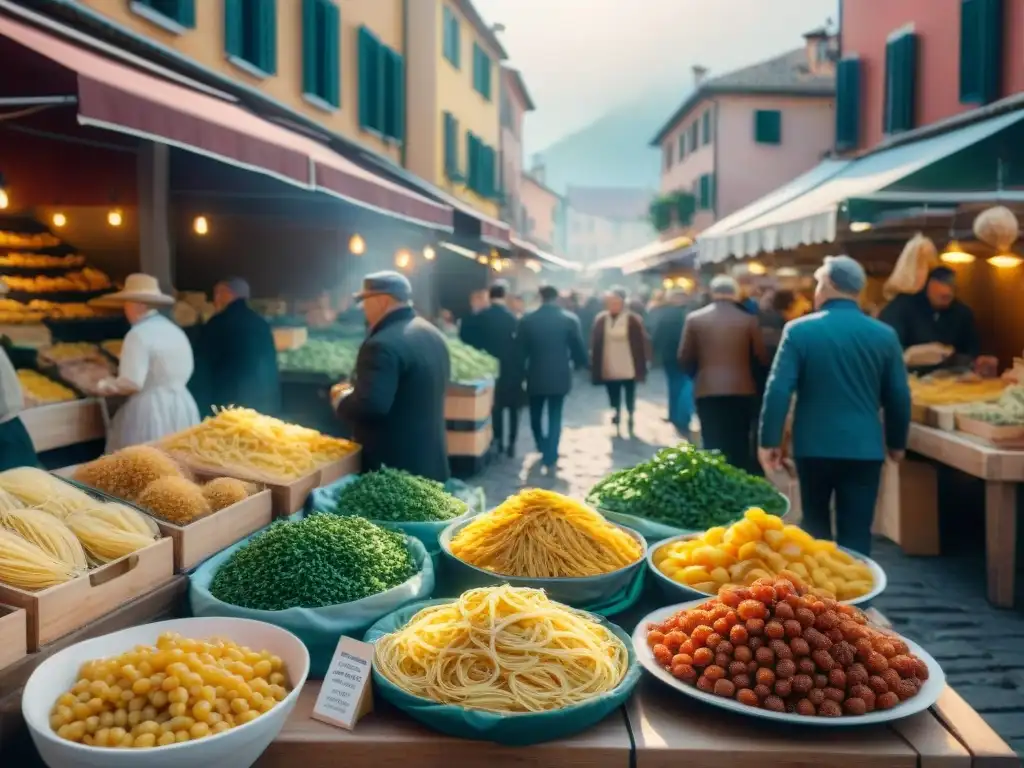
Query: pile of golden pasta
x=503 y=649
x=955 y=391
x=258 y=445
x=178 y=690
x=541 y=534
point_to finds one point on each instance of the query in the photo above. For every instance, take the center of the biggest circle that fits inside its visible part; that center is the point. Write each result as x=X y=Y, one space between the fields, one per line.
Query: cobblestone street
x=938 y=602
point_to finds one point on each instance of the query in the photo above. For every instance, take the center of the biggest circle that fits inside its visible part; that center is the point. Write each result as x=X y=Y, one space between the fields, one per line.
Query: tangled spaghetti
x=541 y=535
x=503 y=649
x=262 y=447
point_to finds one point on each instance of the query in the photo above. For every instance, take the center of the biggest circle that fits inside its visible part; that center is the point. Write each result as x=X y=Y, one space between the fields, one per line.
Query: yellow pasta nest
x=503 y=649
x=175 y=499
x=258 y=445
x=952 y=391
x=128 y=472
x=222 y=492
x=178 y=690
x=541 y=535
x=40 y=390
x=761 y=546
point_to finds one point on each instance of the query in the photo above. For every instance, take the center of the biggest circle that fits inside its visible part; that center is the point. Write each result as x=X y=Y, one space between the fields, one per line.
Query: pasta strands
x=503 y=649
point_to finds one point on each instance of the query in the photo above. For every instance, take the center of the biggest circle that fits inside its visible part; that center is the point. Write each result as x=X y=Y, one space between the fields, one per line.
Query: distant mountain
x=612 y=151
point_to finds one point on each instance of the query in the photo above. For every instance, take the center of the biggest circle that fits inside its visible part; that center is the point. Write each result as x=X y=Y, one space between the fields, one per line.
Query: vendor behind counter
x=934 y=317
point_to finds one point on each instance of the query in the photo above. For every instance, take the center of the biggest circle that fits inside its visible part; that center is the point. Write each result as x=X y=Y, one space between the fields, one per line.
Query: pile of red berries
x=776 y=646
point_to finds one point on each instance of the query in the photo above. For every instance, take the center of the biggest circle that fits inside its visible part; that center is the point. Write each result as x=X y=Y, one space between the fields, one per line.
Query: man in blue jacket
x=549 y=341
x=843 y=367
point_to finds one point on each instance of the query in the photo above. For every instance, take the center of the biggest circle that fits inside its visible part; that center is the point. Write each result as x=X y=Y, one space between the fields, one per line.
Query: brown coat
x=639 y=346
x=721 y=342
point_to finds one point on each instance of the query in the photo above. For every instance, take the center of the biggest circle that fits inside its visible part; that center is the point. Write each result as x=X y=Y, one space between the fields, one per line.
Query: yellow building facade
x=284 y=49
x=454 y=101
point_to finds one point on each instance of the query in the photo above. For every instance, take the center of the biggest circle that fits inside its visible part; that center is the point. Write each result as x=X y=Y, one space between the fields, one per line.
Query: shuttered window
x=451 y=148
x=481 y=72
x=481 y=175
x=250 y=33
x=682 y=146
x=768 y=126
x=981 y=50
x=452 y=38
x=381 y=87
x=706 y=127
x=321 y=61
x=181 y=12
x=667 y=155
x=900 y=83
x=694 y=130
x=706 y=192
x=848 y=104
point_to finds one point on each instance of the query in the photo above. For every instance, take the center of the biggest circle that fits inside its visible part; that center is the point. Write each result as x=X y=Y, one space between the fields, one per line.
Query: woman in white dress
x=156 y=364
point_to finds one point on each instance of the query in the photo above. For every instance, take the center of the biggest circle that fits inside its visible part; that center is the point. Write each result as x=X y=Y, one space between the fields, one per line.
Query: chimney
x=699 y=73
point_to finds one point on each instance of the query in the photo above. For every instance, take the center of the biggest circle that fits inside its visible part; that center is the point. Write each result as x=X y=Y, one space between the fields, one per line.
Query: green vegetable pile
x=334 y=357
x=319 y=561
x=687 y=488
x=469 y=363
x=395 y=496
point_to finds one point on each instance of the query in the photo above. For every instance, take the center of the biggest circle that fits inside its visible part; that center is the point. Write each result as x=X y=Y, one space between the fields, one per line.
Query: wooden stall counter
x=63 y=424
x=671 y=730
x=386 y=738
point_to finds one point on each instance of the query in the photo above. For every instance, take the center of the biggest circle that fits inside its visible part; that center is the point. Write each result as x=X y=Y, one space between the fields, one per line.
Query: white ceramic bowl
x=238 y=748
x=673 y=590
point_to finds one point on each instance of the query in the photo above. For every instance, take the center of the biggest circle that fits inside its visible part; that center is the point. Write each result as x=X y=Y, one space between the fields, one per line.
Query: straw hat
x=138 y=287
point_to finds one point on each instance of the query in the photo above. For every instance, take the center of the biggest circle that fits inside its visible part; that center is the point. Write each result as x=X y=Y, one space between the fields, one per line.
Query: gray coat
x=550 y=342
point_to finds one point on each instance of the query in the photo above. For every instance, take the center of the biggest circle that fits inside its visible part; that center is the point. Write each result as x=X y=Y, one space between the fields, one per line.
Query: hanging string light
x=356 y=245
x=428 y=253
x=200 y=225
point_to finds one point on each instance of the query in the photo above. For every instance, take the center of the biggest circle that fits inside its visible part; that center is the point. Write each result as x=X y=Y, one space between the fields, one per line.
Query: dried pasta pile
x=541 y=534
x=503 y=649
x=258 y=445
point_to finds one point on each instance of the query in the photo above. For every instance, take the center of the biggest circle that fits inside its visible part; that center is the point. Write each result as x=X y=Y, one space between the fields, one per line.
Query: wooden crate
x=13 y=635
x=475 y=443
x=286 y=498
x=289 y=338
x=195 y=542
x=63 y=424
x=468 y=403
x=54 y=612
x=1010 y=437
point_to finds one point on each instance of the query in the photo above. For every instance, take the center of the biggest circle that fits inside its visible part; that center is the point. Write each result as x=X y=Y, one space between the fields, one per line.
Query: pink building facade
x=867 y=30
x=515 y=103
x=742 y=134
x=540 y=207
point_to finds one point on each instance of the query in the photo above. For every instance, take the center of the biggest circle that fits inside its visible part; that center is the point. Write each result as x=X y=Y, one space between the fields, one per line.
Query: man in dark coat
x=495 y=334
x=239 y=360
x=842 y=367
x=549 y=342
x=396 y=403
x=666 y=326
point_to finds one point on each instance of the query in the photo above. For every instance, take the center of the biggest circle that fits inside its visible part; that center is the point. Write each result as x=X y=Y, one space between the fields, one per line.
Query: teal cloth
x=516 y=730
x=318 y=628
x=324 y=499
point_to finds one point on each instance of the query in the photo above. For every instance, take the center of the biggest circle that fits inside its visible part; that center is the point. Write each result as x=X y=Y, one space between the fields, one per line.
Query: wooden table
x=386 y=738
x=1002 y=471
x=671 y=731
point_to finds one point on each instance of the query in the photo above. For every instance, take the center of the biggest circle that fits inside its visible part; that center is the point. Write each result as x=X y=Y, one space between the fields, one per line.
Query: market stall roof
x=811 y=216
x=118 y=98
x=638 y=259
x=549 y=258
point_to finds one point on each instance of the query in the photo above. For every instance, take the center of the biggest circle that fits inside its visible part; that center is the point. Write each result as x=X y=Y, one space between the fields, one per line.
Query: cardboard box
x=54 y=612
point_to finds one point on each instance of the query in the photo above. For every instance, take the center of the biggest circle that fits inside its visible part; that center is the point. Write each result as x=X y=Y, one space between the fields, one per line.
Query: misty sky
x=581 y=58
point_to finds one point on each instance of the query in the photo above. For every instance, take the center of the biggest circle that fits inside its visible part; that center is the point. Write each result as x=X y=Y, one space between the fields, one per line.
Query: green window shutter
x=490 y=172
x=267 y=23
x=694 y=127
x=481 y=71
x=451 y=146
x=332 y=57
x=900 y=83
x=310 y=48
x=706 y=127
x=706 y=194
x=394 y=95
x=768 y=126
x=452 y=41
x=713 y=191
x=371 y=81
x=186 y=15
x=981 y=50
x=233 y=27
x=847 y=104
x=472 y=162
x=682 y=146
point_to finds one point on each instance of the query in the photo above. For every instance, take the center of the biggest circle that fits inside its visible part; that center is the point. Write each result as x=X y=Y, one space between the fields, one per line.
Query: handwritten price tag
x=346 y=694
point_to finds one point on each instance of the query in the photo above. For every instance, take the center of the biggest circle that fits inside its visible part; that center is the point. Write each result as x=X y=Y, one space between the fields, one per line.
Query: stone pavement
x=938 y=602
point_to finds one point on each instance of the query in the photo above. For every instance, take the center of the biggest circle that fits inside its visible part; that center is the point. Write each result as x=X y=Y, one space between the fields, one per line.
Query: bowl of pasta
x=457 y=664
x=544 y=540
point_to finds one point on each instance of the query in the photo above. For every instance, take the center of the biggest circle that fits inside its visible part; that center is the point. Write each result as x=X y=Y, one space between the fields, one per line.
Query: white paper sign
x=346 y=693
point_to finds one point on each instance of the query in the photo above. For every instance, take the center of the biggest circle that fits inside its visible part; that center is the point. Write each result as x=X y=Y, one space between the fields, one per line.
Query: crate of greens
x=416 y=506
x=683 y=489
x=320 y=577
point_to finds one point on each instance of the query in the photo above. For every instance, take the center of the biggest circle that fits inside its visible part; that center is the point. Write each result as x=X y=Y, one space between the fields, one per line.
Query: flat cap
x=845 y=274
x=387 y=283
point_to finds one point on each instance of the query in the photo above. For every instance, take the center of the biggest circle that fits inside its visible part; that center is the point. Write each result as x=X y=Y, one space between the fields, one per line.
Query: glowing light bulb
x=356 y=245
x=481 y=259
x=403 y=259
x=59 y=220
x=115 y=218
x=200 y=225
x=955 y=254
x=4 y=199
x=1005 y=261
x=756 y=268
x=428 y=253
